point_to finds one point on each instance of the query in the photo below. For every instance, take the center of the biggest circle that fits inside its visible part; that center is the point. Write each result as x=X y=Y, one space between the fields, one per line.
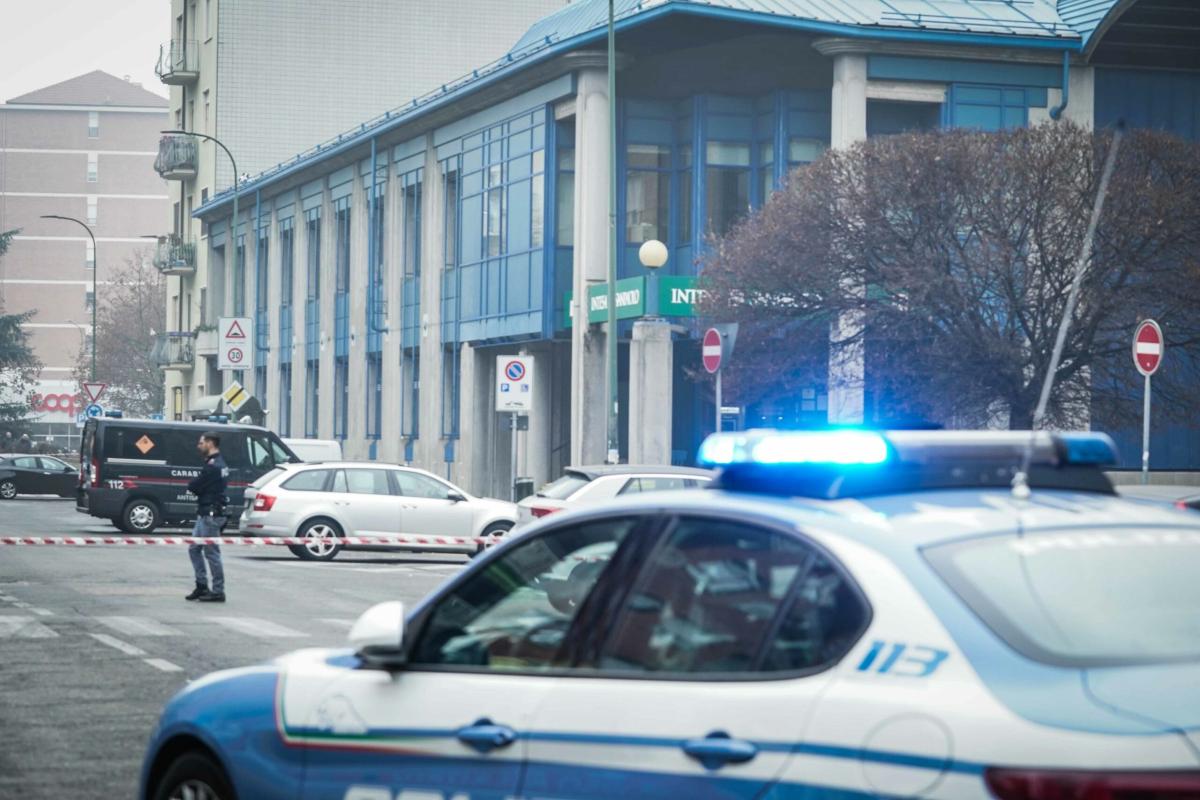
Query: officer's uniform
x=209 y=487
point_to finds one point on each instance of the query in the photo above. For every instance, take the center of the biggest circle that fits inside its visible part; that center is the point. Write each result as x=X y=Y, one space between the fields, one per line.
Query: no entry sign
x=710 y=350
x=1148 y=347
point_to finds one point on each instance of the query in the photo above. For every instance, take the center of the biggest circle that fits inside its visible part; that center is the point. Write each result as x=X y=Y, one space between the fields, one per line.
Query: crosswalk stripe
x=24 y=628
x=117 y=644
x=261 y=628
x=163 y=664
x=138 y=626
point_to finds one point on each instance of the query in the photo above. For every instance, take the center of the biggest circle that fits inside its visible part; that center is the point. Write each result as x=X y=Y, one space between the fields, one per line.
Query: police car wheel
x=194 y=776
x=8 y=490
x=140 y=516
x=320 y=537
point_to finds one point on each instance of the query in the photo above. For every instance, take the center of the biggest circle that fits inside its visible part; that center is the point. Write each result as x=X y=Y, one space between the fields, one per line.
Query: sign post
x=514 y=395
x=235 y=351
x=1148 y=347
x=710 y=356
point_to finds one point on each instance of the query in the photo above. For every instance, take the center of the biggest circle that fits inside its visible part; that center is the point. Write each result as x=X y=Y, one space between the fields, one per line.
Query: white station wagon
x=325 y=502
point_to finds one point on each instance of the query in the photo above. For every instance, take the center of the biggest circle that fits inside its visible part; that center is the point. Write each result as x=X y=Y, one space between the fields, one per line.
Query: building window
x=410 y=392
x=727 y=184
x=374 y=395
x=313 y=256
x=239 y=279
x=285 y=399
x=206 y=110
x=260 y=383
x=341 y=388
x=93 y=167
x=411 y=257
x=89 y=300
x=208 y=24
x=93 y=124
x=564 y=190
x=341 y=278
x=90 y=257
x=312 y=399
x=92 y=204
x=647 y=193
x=766 y=171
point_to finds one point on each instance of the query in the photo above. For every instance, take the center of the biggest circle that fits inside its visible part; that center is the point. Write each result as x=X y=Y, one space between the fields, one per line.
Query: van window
x=261 y=455
x=151 y=445
x=234 y=449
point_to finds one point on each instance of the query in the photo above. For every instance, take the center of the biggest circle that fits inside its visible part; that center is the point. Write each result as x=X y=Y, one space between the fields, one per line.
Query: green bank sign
x=677 y=297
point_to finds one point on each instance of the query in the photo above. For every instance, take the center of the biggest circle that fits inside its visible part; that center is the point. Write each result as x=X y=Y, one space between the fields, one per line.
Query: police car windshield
x=1084 y=598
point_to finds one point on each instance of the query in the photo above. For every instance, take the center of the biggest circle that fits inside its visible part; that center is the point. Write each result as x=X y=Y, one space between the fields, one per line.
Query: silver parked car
x=581 y=486
x=324 y=502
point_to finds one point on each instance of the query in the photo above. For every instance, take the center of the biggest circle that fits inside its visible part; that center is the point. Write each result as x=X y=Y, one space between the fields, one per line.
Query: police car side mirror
x=378 y=635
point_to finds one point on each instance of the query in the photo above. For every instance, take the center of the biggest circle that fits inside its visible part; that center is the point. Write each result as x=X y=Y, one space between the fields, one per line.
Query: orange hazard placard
x=144 y=444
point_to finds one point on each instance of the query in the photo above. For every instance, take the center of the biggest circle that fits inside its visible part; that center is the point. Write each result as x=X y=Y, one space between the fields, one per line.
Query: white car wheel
x=320 y=541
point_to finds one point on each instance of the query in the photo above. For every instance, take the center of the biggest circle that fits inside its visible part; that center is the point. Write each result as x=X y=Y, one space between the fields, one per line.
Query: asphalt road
x=94 y=640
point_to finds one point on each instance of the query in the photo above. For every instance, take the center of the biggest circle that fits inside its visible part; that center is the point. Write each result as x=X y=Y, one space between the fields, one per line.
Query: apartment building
x=82 y=148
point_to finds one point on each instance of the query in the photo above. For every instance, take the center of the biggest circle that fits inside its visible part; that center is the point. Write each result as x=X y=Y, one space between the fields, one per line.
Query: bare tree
x=19 y=366
x=132 y=310
x=956 y=249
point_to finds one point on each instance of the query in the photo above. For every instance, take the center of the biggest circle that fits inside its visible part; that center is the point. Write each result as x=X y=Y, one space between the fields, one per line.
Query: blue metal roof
x=1090 y=17
x=1016 y=23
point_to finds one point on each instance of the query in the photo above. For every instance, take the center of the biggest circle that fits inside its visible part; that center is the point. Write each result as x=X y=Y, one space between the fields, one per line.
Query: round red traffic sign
x=710 y=350
x=1148 y=347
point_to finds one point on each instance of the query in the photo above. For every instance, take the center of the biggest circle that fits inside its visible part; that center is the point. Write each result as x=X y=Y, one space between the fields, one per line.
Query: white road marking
x=24 y=628
x=163 y=664
x=138 y=626
x=261 y=628
x=117 y=644
x=337 y=623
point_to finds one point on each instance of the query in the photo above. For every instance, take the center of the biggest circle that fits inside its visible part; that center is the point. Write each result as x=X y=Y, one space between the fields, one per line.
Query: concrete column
x=390 y=447
x=356 y=398
x=651 y=371
x=328 y=327
x=848 y=125
x=1081 y=105
x=588 y=401
x=473 y=457
x=273 y=400
x=429 y=452
x=537 y=442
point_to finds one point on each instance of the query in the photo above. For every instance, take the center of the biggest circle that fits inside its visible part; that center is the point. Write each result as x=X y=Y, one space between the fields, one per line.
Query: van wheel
x=8 y=490
x=140 y=516
x=194 y=775
x=320 y=537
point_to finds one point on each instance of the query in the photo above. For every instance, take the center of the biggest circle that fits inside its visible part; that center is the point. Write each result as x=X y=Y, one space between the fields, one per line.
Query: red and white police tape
x=78 y=541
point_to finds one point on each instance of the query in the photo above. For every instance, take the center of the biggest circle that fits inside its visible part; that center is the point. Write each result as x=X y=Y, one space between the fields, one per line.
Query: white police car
x=846 y=615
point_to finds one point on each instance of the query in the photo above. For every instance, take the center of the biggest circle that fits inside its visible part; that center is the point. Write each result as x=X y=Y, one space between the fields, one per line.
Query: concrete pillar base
x=651 y=371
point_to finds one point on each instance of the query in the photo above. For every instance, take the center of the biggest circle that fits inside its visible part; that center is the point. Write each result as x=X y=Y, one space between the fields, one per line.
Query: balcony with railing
x=174 y=350
x=175 y=255
x=176 y=159
x=178 y=62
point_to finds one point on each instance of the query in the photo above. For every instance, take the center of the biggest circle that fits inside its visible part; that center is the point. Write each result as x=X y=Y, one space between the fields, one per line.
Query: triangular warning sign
x=94 y=391
x=235 y=331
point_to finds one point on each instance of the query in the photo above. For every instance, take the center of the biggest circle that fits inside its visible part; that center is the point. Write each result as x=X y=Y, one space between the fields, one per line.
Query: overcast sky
x=48 y=41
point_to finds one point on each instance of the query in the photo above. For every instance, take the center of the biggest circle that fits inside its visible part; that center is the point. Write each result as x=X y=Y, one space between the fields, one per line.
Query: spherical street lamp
x=652 y=254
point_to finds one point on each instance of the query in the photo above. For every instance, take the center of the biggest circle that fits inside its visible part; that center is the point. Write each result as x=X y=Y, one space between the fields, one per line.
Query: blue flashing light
x=1090 y=449
x=840 y=447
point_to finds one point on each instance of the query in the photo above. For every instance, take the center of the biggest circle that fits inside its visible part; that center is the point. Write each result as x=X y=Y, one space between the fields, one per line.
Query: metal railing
x=174 y=350
x=177 y=156
x=178 y=61
x=175 y=256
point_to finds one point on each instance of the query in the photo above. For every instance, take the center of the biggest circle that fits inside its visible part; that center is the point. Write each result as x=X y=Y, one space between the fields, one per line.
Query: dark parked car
x=30 y=474
x=135 y=472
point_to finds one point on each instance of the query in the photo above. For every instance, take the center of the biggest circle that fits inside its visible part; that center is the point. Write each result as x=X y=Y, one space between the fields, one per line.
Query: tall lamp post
x=611 y=339
x=233 y=228
x=95 y=269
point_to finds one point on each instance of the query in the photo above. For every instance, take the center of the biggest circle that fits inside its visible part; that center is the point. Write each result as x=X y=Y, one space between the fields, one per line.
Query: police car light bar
x=852 y=462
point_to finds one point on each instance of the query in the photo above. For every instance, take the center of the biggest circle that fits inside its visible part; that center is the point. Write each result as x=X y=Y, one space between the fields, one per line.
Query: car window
x=651 y=484
x=25 y=463
x=514 y=613
x=267 y=477
x=414 y=484
x=367 y=481
x=54 y=465
x=1083 y=598
x=824 y=618
x=261 y=455
x=564 y=487
x=311 y=480
x=708 y=599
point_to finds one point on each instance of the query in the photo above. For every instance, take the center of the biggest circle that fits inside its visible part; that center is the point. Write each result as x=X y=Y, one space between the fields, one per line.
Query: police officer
x=209 y=487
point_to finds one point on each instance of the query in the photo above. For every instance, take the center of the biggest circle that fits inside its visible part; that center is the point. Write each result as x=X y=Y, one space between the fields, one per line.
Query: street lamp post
x=233 y=228
x=95 y=269
x=611 y=339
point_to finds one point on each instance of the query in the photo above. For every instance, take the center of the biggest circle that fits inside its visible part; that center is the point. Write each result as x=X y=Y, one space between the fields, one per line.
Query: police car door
x=454 y=722
x=700 y=683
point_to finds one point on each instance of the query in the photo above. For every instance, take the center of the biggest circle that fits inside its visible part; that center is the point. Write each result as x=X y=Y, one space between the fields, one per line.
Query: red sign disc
x=1148 y=346
x=710 y=350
